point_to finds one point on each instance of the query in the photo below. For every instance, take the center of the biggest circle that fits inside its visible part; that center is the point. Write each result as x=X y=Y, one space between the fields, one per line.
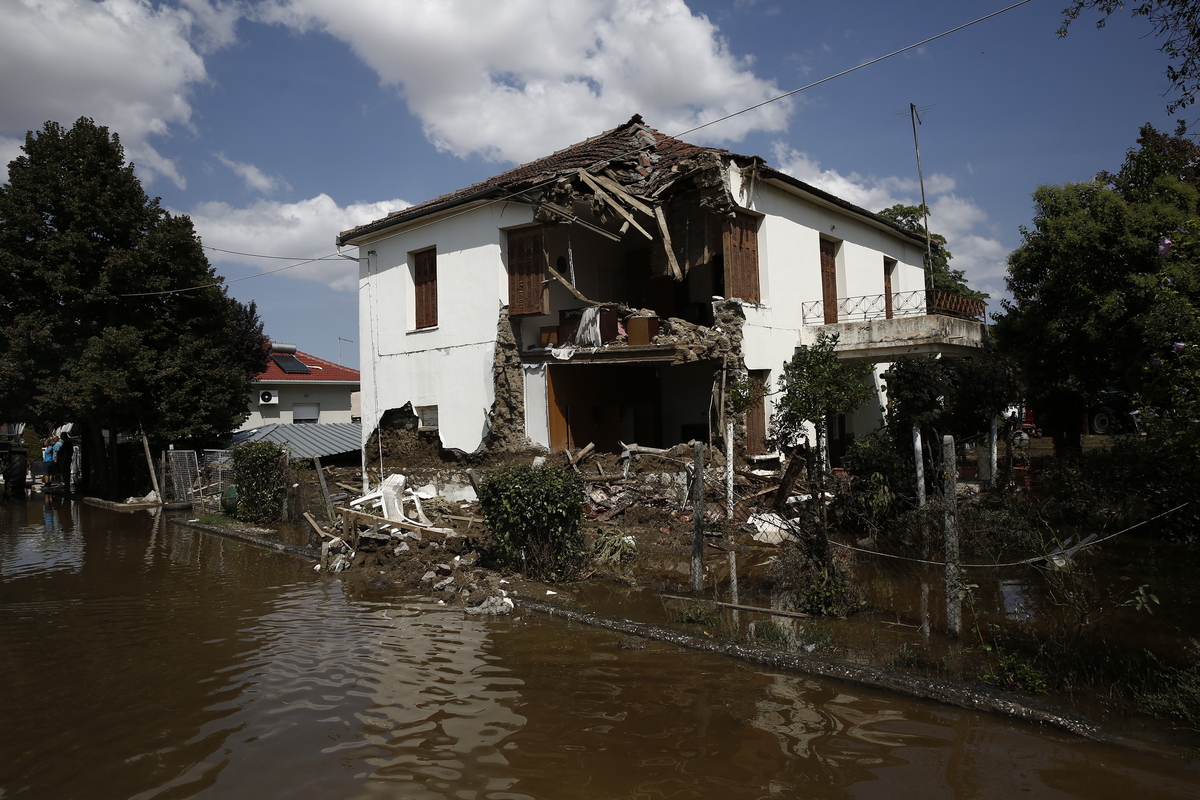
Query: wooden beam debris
x=603 y=195
x=570 y=288
x=662 y=227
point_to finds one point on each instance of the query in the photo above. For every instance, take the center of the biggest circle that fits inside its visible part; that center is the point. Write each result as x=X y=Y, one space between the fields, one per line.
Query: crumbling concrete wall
x=506 y=418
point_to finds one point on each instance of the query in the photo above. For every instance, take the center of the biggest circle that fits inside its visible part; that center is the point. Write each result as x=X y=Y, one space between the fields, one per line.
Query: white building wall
x=790 y=275
x=449 y=365
x=333 y=399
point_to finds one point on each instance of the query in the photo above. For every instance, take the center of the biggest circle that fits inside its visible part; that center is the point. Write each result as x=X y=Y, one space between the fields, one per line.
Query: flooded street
x=143 y=659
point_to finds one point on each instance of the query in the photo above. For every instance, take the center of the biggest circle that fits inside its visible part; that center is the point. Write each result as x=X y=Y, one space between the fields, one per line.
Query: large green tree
x=110 y=315
x=951 y=281
x=1089 y=307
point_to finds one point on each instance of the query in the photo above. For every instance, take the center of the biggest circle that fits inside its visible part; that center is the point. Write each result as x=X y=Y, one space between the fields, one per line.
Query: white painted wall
x=334 y=400
x=449 y=365
x=790 y=275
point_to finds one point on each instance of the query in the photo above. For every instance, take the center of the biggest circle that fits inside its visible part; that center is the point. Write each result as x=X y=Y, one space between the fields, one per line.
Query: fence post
x=950 y=500
x=993 y=437
x=919 y=460
x=729 y=471
x=698 y=519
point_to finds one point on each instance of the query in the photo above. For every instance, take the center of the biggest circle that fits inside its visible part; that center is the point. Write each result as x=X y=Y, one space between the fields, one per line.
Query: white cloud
x=297 y=230
x=518 y=79
x=982 y=259
x=127 y=64
x=253 y=177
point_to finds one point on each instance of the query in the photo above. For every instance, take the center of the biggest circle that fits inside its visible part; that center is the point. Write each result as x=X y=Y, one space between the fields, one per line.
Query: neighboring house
x=613 y=292
x=300 y=388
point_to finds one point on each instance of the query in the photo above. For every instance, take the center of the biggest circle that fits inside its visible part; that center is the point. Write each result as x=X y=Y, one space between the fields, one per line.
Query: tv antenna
x=916 y=120
x=351 y=341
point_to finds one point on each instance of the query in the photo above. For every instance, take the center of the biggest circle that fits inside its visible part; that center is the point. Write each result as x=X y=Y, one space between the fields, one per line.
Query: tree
x=1088 y=310
x=1176 y=22
x=813 y=386
x=951 y=281
x=110 y=316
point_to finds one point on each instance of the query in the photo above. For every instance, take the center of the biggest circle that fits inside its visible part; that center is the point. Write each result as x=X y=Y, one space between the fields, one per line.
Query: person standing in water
x=50 y=448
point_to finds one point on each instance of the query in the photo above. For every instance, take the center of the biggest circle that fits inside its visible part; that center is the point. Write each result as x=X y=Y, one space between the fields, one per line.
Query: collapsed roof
x=630 y=168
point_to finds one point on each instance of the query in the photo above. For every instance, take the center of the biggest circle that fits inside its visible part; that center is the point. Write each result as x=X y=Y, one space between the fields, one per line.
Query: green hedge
x=258 y=471
x=535 y=514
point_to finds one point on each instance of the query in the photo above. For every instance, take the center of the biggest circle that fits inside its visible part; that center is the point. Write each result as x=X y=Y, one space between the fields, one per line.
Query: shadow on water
x=142 y=659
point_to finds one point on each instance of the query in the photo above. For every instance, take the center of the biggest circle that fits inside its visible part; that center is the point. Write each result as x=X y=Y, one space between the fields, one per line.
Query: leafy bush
x=535 y=515
x=258 y=471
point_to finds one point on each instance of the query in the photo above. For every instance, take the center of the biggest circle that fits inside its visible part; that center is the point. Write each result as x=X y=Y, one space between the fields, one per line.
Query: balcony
x=871 y=328
x=903 y=304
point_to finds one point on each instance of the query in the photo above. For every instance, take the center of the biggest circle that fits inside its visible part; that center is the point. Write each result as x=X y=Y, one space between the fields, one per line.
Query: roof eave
x=369 y=231
x=824 y=198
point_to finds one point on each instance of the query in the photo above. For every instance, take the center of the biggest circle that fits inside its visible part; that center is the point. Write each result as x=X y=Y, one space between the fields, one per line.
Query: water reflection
x=144 y=660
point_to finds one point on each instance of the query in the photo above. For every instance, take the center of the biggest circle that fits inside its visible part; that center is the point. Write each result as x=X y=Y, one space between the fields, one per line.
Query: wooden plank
x=603 y=195
x=619 y=191
x=317 y=527
x=578 y=295
x=324 y=488
x=662 y=226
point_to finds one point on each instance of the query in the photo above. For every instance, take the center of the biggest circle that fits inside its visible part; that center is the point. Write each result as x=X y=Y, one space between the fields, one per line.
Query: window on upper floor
x=425 y=288
x=526 y=271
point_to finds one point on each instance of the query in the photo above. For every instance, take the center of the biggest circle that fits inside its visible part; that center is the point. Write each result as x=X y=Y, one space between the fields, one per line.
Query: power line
x=260 y=255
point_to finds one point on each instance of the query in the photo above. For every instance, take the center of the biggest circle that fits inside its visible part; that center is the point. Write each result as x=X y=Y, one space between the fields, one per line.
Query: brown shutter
x=829 y=280
x=756 y=414
x=741 y=258
x=425 y=286
x=526 y=271
x=888 y=266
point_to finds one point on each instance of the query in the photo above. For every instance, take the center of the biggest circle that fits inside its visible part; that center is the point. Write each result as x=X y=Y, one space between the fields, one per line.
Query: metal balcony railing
x=903 y=304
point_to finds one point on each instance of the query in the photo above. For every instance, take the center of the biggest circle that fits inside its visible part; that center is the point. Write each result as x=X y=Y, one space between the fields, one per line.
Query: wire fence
x=197 y=478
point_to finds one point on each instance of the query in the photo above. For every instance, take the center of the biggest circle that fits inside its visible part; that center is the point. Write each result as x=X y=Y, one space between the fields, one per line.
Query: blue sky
x=277 y=124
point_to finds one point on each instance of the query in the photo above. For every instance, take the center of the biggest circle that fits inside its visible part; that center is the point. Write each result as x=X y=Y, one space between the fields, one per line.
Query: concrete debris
x=771 y=528
x=495 y=604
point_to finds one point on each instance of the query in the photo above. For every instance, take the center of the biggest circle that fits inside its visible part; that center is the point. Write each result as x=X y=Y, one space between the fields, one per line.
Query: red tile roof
x=321 y=370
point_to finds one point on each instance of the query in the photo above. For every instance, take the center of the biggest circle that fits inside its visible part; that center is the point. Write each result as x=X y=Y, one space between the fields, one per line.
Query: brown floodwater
x=140 y=658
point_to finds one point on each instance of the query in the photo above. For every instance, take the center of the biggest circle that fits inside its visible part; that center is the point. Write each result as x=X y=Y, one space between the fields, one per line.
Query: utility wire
x=260 y=255
x=1023 y=562
x=513 y=195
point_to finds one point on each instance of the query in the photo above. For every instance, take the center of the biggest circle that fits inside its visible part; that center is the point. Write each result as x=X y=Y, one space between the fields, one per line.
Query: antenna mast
x=916 y=118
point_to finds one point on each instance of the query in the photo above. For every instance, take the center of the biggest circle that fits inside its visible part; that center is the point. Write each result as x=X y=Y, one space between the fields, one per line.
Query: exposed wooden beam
x=662 y=226
x=603 y=195
x=570 y=288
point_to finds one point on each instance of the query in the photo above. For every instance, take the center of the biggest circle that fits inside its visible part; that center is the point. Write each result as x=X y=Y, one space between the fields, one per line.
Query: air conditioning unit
x=268 y=397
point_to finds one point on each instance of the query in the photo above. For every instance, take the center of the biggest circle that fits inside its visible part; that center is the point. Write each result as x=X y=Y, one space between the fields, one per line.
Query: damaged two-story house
x=617 y=290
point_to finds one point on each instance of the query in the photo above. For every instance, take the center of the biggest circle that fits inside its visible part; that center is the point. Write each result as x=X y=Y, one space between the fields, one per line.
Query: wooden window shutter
x=526 y=271
x=741 y=258
x=829 y=297
x=756 y=413
x=425 y=288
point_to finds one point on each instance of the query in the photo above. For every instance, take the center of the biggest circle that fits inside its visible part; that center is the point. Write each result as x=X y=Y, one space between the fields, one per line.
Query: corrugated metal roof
x=307 y=441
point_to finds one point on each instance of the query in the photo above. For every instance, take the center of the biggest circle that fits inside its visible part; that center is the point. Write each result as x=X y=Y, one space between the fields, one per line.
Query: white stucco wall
x=790 y=275
x=334 y=400
x=448 y=365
